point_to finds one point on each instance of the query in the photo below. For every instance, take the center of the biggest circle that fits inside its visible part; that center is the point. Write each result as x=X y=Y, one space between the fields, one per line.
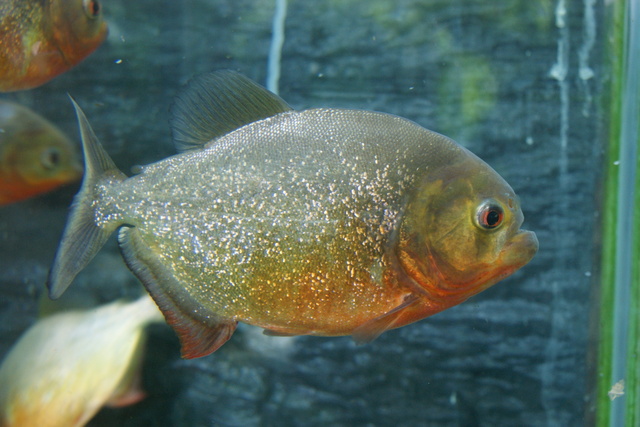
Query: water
x=519 y=83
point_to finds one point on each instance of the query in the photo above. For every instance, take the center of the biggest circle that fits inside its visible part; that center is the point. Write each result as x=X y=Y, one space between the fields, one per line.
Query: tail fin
x=82 y=238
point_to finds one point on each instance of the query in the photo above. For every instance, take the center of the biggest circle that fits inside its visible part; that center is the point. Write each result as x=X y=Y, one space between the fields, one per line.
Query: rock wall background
x=510 y=80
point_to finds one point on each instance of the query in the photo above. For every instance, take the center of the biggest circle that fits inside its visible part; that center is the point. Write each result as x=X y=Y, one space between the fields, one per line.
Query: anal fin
x=372 y=329
x=200 y=332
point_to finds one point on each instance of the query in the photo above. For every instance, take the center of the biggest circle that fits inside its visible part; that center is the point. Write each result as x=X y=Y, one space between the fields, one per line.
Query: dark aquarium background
x=520 y=83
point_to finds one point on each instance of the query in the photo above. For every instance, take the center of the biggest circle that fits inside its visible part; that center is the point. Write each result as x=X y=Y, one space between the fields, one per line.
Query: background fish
x=320 y=222
x=68 y=365
x=35 y=156
x=42 y=39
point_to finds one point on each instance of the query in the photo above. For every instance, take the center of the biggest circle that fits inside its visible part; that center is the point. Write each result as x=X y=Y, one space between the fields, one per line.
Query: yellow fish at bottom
x=68 y=365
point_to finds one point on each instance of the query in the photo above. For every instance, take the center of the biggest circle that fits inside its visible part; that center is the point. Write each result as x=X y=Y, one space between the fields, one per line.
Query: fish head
x=461 y=232
x=47 y=161
x=77 y=28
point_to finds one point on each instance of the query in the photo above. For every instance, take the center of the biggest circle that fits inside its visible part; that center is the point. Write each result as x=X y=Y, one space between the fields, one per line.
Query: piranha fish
x=42 y=39
x=318 y=222
x=35 y=156
x=68 y=365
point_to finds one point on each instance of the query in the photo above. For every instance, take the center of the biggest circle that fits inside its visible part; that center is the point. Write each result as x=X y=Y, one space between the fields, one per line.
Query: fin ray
x=214 y=104
x=131 y=394
x=200 y=334
x=372 y=329
x=82 y=238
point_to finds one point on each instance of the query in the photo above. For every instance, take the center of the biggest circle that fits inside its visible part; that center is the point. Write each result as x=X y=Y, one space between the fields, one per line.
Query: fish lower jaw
x=523 y=245
x=455 y=292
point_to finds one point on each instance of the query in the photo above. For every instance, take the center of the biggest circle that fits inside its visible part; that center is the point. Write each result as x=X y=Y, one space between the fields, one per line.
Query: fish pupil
x=493 y=218
x=92 y=8
x=490 y=216
x=51 y=158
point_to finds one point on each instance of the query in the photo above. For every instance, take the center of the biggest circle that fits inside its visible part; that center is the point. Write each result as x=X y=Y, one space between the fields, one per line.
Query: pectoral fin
x=372 y=329
x=201 y=333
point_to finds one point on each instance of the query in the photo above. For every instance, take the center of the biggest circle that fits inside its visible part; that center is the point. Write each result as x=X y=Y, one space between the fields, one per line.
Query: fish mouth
x=521 y=248
x=516 y=253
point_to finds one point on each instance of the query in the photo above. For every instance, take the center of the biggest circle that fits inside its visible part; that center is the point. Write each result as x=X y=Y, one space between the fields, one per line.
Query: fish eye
x=490 y=215
x=50 y=158
x=91 y=8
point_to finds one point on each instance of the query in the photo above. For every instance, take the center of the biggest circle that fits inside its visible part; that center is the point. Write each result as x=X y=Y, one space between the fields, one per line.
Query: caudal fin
x=82 y=238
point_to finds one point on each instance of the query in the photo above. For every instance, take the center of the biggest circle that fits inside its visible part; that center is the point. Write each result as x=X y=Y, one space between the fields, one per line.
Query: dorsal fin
x=214 y=104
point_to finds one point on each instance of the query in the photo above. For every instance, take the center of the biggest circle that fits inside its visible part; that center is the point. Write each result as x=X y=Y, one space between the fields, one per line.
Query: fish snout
x=522 y=247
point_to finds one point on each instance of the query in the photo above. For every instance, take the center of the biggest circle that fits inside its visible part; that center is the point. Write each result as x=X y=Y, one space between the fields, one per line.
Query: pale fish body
x=35 y=156
x=322 y=222
x=69 y=365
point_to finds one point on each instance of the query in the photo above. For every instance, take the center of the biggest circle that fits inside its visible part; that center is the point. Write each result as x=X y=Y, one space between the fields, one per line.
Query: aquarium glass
x=544 y=91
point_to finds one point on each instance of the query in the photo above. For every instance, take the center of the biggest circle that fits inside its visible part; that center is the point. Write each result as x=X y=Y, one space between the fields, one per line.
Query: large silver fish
x=323 y=222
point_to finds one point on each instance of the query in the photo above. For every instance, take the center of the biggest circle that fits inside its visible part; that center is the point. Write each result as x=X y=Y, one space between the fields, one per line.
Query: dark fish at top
x=320 y=222
x=40 y=39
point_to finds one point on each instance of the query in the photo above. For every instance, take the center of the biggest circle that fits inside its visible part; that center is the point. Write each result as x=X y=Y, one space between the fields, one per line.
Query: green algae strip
x=620 y=281
x=633 y=359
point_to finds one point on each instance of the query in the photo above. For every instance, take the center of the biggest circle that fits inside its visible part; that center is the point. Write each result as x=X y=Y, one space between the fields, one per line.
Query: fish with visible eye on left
x=35 y=156
x=41 y=39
